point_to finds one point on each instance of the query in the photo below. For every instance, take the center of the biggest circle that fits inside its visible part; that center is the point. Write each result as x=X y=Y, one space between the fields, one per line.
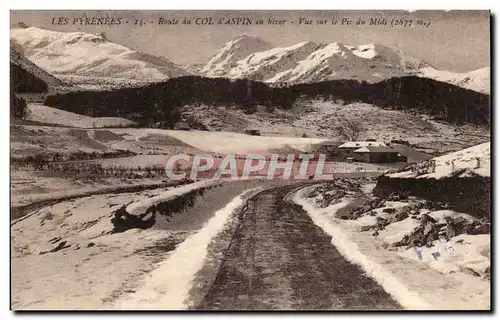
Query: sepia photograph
x=250 y=160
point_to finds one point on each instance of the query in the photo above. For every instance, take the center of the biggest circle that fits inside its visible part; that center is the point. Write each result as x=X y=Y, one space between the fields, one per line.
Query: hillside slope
x=48 y=115
x=161 y=101
x=25 y=76
x=322 y=118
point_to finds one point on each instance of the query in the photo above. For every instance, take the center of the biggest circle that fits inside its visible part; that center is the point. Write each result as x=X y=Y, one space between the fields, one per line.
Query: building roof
x=376 y=149
x=181 y=125
x=328 y=143
x=360 y=144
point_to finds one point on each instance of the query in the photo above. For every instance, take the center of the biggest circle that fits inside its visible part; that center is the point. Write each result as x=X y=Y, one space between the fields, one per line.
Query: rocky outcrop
x=462 y=194
x=429 y=229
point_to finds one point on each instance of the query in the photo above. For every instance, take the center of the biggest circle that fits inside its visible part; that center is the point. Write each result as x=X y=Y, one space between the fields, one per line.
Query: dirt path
x=278 y=259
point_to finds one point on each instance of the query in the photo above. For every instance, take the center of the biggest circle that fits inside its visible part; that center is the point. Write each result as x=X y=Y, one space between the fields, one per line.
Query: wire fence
x=429 y=166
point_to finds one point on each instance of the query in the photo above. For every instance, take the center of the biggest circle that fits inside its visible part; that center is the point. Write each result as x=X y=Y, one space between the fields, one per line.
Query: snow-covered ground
x=231 y=142
x=64 y=256
x=426 y=284
x=94 y=265
x=48 y=115
x=280 y=129
x=461 y=253
x=30 y=140
x=476 y=160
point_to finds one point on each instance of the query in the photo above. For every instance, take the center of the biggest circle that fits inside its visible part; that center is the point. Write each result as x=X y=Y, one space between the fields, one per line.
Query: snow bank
x=416 y=284
x=141 y=206
x=350 y=251
x=168 y=286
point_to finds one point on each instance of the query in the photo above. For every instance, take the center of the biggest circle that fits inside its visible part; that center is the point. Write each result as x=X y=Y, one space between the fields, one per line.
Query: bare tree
x=350 y=130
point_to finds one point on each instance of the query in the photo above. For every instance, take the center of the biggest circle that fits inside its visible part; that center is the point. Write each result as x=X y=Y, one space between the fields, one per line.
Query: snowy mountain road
x=278 y=259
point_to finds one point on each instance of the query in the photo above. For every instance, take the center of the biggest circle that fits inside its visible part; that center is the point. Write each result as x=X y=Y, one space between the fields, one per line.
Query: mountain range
x=65 y=54
x=253 y=58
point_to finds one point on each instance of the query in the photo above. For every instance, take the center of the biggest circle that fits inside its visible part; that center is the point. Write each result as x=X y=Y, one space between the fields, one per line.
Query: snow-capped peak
x=233 y=51
x=85 y=54
x=383 y=54
x=264 y=65
x=327 y=61
x=477 y=80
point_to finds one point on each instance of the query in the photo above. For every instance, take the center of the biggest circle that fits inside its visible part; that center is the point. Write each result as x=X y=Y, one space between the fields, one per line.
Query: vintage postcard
x=250 y=160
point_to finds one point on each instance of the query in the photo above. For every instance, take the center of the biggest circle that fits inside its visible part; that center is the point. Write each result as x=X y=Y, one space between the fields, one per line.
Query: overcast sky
x=455 y=40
